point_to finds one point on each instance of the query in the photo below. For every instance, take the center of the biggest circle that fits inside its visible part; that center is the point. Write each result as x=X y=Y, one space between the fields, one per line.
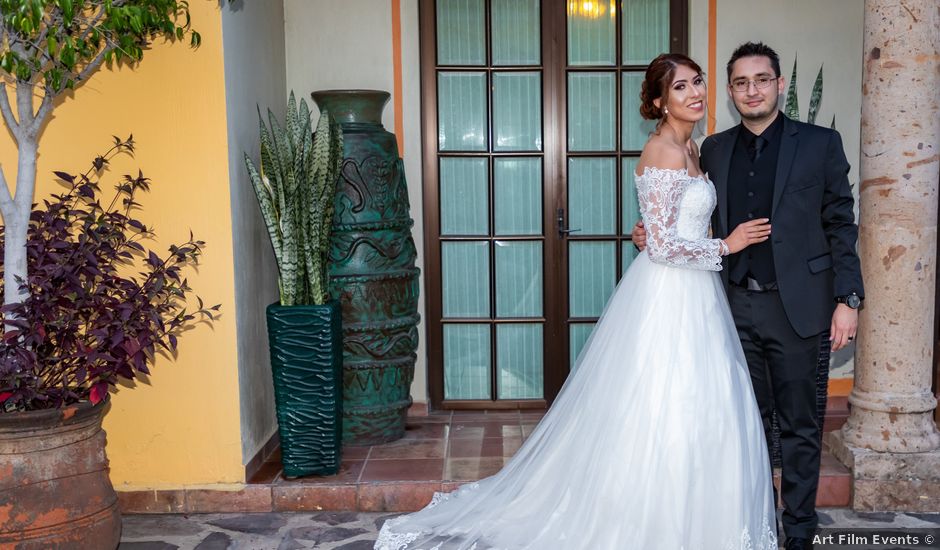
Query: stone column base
x=908 y=482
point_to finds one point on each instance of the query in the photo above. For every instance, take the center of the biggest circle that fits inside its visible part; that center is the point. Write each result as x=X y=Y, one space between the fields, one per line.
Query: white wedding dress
x=655 y=441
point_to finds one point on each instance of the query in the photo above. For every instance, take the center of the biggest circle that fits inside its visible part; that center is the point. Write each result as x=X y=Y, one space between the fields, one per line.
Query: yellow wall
x=183 y=427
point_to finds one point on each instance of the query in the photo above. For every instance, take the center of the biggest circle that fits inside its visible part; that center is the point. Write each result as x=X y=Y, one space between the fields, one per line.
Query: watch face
x=853 y=301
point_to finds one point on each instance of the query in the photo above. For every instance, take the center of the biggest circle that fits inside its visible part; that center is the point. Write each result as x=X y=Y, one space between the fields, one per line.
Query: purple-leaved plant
x=100 y=305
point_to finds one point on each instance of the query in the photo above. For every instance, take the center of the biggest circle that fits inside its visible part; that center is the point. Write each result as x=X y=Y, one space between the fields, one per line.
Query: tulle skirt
x=654 y=443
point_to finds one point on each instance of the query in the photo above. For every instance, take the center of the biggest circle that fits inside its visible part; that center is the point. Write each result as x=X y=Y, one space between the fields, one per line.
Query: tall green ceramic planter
x=372 y=270
x=306 y=360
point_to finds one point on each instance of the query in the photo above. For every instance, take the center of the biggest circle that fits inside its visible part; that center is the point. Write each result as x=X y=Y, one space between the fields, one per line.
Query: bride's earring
x=665 y=110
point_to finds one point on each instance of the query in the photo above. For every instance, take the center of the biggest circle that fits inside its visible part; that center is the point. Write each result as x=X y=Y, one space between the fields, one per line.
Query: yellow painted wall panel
x=181 y=426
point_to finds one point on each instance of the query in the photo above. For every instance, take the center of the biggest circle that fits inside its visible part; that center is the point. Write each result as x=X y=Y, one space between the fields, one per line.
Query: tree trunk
x=14 y=251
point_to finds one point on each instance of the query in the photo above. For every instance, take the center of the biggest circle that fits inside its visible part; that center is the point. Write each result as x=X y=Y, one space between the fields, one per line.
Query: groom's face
x=752 y=101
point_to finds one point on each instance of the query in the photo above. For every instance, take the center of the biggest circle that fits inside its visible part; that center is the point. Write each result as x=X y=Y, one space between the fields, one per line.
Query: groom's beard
x=762 y=114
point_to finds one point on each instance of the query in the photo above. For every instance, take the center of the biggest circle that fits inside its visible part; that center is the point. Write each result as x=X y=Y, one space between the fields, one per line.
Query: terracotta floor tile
x=484 y=429
x=432 y=417
x=501 y=416
x=349 y=471
x=471 y=447
x=426 y=430
x=830 y=465
x=837 y=403
x=409 y=448
x=527 y=429
x=834 y=490
x=301 y=498
x=356 y=453
x=396 y=497
x=468 y=416
x=834 y=422
x=418 y=409
x=268 y=473
x=472 y=469
x=413 y=469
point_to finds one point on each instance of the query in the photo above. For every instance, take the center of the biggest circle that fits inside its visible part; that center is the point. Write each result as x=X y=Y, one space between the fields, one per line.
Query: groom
x=788 y=291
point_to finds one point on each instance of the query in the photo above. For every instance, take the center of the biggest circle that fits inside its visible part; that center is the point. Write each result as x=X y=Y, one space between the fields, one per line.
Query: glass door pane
x=517 y=191
x=592 y=111
x=605 y=134
x=591 y=32
x=645 y=30
x=516 y=33
x=467 y=352
x=517 y=111
x=462 y=124
x=461 y=32
x=491 y=192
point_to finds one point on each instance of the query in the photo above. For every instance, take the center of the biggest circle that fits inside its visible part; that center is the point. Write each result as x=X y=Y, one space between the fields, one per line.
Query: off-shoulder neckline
x=703 y=175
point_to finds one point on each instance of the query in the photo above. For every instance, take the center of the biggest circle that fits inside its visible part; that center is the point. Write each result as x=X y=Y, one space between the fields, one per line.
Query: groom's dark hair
x=751 y=49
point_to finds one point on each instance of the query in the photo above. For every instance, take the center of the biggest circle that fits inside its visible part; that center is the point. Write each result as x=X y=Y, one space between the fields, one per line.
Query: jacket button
x=750 y=193
x=750 y=174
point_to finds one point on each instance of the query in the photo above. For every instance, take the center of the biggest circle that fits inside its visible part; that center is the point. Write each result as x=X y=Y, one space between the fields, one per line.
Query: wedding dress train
x=655 y=441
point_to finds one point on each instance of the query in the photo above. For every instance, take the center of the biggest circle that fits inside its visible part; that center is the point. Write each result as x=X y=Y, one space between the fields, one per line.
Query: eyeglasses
x=760 y=83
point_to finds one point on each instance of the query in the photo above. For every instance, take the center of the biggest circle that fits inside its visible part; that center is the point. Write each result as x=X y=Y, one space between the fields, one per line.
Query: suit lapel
x=721 y=167
x=788 y=143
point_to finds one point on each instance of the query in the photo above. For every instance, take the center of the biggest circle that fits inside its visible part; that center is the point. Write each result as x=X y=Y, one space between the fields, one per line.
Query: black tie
x=756 y=147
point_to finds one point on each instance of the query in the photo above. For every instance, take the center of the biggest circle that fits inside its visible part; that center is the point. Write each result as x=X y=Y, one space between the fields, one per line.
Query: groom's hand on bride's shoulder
x=639 y=236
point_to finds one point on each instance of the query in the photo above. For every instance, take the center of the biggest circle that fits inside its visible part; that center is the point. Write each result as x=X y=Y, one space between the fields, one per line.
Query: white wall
x=253 y=40
x=411 y=115
x=347 y=44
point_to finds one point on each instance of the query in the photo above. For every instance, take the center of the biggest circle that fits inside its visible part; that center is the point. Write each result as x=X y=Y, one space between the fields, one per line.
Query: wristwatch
x=852 y=300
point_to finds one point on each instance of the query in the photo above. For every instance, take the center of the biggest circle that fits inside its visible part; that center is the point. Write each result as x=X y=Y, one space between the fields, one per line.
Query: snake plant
x=295 y=189
x=792 y=108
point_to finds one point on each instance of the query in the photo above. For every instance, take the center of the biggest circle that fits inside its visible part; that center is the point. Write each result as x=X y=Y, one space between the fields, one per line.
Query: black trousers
x=783 y=373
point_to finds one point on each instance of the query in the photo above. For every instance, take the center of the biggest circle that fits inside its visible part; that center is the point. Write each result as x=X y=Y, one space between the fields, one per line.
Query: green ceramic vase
x=306 y=361
x=372 y=270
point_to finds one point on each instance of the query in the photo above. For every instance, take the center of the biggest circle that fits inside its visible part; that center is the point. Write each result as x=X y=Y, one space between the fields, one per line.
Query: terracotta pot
x=54 y=485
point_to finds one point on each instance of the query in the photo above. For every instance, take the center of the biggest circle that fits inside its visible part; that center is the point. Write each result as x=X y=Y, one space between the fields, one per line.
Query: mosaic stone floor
x=357 y=530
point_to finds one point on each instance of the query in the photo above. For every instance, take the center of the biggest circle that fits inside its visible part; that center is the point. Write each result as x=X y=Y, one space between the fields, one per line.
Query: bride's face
x=686 y=95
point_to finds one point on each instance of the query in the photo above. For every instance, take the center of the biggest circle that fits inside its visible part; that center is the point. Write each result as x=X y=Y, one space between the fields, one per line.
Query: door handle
x=562 y=230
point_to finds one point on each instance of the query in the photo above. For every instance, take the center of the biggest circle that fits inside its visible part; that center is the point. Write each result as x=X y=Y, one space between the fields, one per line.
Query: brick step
x=837 y=412
x=398 y=493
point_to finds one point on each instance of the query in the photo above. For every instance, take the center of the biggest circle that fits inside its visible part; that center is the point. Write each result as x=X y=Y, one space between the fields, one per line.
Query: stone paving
x=357 y=530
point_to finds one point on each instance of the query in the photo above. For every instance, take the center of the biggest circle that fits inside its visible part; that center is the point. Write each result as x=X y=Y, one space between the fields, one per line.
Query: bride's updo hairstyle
x=659 y=75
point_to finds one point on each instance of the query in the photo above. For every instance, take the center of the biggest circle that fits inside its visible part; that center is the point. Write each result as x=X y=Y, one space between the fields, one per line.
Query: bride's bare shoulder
x=661 y=153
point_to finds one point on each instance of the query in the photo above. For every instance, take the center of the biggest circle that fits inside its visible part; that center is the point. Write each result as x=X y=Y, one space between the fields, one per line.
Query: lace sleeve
x=659 y=193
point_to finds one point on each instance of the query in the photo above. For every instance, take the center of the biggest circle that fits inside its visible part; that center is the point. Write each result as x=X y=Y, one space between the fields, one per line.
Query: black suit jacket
x=813 y=232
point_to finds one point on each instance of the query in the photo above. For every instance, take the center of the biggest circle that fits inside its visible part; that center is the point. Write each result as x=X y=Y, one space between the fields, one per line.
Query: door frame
x=554 y=155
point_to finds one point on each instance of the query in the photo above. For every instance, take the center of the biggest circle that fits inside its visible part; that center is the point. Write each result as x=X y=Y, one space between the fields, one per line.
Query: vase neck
x=353 y=106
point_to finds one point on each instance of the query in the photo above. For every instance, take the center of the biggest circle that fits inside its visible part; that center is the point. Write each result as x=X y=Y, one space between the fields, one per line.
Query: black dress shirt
x=750 y=196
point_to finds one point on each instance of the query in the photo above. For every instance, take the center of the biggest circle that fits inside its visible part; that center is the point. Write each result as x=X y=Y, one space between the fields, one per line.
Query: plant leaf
x=816 y=97
x=792 y=108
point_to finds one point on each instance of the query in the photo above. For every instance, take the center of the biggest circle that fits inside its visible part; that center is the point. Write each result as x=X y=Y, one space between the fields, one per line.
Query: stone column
x=890 y=439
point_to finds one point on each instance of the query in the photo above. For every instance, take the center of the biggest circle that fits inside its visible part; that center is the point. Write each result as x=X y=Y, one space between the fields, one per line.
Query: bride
x=655 y=441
